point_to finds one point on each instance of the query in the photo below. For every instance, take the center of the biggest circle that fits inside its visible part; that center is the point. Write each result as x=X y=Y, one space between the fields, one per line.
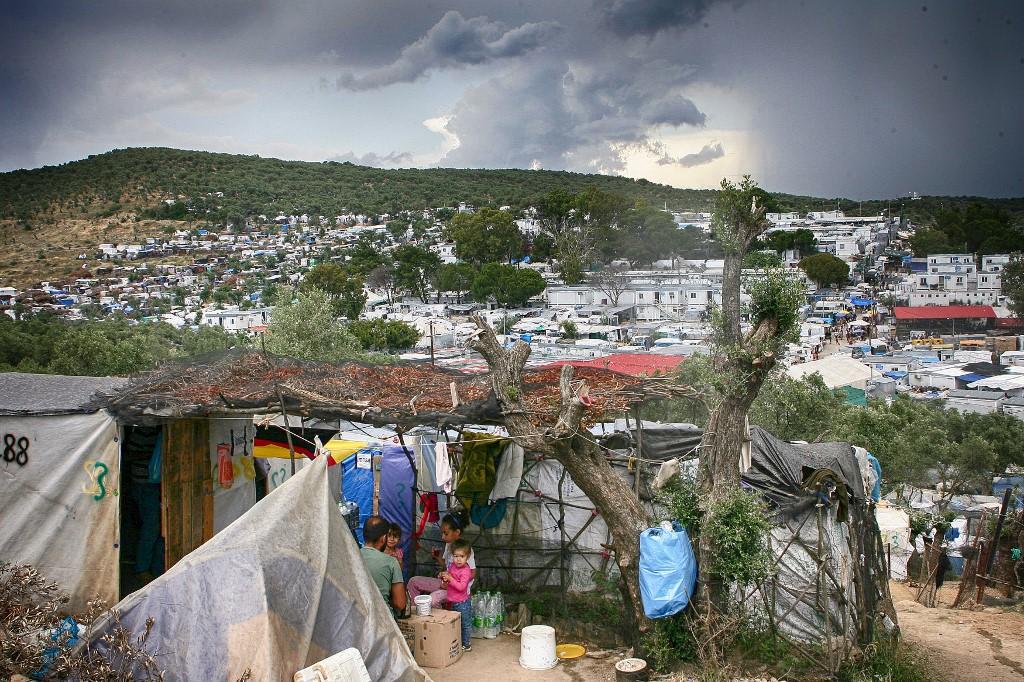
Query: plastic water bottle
x=492 y=616
x=499 y=608
x=478 y=616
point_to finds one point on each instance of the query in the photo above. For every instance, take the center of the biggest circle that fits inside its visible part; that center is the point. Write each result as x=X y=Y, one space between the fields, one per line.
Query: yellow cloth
x=339 y=450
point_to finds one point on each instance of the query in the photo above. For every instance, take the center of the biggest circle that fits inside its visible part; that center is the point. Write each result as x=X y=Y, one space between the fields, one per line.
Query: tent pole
x=287 y=429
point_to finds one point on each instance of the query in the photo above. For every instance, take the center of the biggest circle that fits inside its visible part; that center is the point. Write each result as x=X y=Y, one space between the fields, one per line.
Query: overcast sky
x=865 y=98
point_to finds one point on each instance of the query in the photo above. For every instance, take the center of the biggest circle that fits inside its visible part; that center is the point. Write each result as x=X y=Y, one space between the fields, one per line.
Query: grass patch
x=890 y=661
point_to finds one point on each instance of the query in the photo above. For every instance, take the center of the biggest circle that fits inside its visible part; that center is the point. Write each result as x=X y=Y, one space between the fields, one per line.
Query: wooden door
x=187 y=488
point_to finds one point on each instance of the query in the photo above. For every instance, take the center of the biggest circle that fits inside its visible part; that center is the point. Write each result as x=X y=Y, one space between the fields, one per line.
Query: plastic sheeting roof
x=836 y=370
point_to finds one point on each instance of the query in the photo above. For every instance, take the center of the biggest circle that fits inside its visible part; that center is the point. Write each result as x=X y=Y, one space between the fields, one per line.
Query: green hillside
x=133 y=179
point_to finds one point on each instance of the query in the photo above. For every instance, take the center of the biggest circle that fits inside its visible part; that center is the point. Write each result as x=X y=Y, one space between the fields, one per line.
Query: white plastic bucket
x=537 y=648
x=422 y=605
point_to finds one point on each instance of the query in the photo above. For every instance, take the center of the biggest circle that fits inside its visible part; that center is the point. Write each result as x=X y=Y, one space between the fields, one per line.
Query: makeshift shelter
x=894 y=525
x=529 y=517
x=68 y=500
x=281 y=588
x=837 y=371
x=830 y=587
x=59 y=484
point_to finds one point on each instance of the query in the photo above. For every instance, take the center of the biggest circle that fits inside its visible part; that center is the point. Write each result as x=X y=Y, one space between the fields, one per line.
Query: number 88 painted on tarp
x=16 y=449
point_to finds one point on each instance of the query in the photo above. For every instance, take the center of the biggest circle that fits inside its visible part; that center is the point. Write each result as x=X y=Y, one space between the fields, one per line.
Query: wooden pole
x=993 y=548
x=287 y=429
x=639 y=448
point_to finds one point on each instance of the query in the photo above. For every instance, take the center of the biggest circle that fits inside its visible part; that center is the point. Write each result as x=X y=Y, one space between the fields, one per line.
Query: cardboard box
x=435 y=640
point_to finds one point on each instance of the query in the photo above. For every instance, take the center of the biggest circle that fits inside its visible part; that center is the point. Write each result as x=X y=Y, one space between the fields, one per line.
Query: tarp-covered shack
x=87 y=496
x=59 y=476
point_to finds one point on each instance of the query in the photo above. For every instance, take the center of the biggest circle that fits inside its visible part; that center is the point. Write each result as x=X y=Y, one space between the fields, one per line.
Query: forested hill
x=140 y=178
x=133 y=179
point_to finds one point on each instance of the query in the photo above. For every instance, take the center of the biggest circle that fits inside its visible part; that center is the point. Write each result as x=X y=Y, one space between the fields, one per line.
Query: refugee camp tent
x=66 y=508
x=59 y=483
x=830 y=586
x=282 y=587
x=894 y=525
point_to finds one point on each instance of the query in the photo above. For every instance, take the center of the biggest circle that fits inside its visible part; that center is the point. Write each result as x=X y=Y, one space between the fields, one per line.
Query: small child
x=457 y=579
x=392 y=548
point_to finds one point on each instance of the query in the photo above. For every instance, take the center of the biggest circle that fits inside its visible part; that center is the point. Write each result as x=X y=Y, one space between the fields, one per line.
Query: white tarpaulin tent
x=894 y=524
x=836 y=370
x=59 y=474
x=279 y=589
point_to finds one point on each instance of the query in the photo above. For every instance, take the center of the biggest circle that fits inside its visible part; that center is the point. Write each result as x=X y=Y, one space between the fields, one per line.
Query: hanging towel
x=509 y=474
x=442 y=466
x=479 y=463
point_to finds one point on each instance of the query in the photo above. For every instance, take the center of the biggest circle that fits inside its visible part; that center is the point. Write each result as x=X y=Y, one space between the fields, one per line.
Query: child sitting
x=457 y=579
x=451 y=531
x=392 y=548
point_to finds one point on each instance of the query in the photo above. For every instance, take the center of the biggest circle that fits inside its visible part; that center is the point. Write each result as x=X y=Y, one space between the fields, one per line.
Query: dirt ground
x=982 y=645
x=985 y=645
x=497 y=660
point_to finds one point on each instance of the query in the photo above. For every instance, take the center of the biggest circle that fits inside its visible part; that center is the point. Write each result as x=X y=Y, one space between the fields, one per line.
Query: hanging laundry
x=509 y=474
x=442 y=466
x=479 y=462
x=488 y=515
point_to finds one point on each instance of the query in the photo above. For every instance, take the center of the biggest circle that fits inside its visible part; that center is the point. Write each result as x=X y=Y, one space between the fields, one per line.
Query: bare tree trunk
x=582 y=457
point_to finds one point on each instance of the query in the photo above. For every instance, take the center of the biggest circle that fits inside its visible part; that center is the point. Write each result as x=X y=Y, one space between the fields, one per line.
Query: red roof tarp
x=633 y=364
x=944 y=312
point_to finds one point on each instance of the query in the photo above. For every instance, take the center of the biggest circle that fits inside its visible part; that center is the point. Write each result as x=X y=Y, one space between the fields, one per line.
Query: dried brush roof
x=403 y=393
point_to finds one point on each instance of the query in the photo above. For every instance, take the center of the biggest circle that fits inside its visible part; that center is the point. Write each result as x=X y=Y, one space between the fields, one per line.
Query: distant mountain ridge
x=139 y=178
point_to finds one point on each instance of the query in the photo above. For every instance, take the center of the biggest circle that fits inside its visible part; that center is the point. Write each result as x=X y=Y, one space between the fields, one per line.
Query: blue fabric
x=465 y=609
x=488 y=515
x=397 y=485
x=357 y=486
x=971 y=377
x=668 y=570
x=156 y=459
x=149 y=553
x=876 y=492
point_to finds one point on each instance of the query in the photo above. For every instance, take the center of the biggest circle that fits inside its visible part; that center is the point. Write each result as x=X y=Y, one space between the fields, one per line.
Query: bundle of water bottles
x=488 y=614
x=350 y=512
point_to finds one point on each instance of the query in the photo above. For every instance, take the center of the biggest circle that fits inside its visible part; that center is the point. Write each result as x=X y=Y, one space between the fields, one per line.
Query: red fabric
x=428 y=505
x=944 y=312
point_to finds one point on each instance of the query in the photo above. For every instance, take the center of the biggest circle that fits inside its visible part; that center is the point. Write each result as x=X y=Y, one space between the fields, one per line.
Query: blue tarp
x=971 y=377
x=357 y=486
x=397 y=487
x=862 y=302
x=894 y=374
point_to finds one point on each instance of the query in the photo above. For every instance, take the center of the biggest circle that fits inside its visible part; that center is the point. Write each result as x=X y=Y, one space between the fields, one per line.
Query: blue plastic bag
x=668 y=570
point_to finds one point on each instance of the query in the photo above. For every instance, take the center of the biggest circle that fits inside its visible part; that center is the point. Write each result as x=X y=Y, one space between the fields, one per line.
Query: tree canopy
x=344 y=287
x=487 y=236
x=825 y=269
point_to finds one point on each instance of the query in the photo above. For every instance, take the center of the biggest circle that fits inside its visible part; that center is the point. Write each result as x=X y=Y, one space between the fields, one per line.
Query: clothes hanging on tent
x=488 y=515
x=479 y=464
x=442 y=467
x=509 y=473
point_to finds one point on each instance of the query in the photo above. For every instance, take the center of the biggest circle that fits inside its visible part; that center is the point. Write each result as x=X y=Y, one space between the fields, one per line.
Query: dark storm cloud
x=390 y=160
x=862 y=99
x=455 y=41
x=673 y=111
x=707 y=154
x=647 y=17
x=571 y=115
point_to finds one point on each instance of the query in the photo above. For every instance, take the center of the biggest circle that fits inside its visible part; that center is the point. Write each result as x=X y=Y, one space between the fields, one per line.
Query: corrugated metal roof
x=944 y=312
